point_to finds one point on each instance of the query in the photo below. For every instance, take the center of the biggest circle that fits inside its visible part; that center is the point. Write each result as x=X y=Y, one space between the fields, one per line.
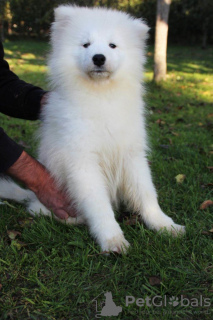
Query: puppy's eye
x=112 y=45
x=86 y=45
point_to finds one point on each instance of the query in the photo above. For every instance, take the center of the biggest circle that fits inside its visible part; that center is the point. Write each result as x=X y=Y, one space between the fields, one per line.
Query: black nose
x=99 y=60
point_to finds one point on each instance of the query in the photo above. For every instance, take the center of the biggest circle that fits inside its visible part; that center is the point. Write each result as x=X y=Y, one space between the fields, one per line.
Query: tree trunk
x=161 y=34
x=2 y=30
x=205 y=32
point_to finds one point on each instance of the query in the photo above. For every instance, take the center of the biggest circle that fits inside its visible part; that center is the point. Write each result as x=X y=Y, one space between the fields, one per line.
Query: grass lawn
x=54 y=271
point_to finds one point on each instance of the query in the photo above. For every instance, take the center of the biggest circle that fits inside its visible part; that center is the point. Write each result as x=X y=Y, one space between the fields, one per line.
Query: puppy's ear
x=142 y=28
x=63 y=13
x=63 y=16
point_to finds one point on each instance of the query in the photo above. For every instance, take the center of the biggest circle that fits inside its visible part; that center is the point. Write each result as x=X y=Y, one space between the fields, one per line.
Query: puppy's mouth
x=99 y=73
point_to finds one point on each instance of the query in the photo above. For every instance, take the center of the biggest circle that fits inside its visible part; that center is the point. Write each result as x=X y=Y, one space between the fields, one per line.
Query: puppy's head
x=96 y=44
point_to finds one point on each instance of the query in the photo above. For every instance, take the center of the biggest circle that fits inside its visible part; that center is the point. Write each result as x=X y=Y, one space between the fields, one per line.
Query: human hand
x=35 y=176
x=44 y=99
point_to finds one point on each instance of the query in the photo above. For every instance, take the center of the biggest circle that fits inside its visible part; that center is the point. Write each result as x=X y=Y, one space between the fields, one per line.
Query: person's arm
x=17 y=163
x=10 y=151
x=18 y=98
x=35 y=176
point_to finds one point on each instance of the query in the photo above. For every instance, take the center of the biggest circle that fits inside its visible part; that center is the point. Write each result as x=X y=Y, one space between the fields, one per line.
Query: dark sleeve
x=9 y=151
x=17 y=98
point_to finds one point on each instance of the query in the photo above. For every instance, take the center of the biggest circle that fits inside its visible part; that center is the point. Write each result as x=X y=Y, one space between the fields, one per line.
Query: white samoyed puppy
x=93 y=135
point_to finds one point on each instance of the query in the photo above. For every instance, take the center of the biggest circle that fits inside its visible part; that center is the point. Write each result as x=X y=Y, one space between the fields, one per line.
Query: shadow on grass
x=186 y=60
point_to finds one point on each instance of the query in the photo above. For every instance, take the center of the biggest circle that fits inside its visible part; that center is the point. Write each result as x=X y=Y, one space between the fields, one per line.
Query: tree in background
x=190 y=20
x=32 y=17
x=3 y=4
x=161 y=35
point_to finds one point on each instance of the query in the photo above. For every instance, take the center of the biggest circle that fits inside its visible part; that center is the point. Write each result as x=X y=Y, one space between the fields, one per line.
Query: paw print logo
x=174 y=301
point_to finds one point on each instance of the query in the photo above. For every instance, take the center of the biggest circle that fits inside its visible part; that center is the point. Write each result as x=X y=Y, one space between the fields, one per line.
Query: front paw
x=72 y=220
x=175 y=230
x=115 y=244
x=35 y=207
x=165 y=223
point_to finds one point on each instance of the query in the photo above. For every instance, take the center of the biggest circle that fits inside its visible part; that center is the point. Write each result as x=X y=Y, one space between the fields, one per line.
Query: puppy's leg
x=92 y=200
x=35 y=207
x=12 y=191
x=140 y=193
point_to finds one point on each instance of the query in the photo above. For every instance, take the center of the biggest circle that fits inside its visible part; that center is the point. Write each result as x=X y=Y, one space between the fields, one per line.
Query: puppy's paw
x=72 y=220
x=116 y=244
x=163 y=223
x=35 y=207
x=174 y=229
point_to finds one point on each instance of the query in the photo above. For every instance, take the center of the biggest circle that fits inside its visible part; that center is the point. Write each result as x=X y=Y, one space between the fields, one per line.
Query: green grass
x=52 y=271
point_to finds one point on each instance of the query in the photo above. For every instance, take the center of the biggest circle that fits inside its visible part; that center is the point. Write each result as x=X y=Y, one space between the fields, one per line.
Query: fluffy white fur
x=93 y=137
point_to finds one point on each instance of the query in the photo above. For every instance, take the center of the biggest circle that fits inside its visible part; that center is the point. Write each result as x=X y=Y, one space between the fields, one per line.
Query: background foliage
x=190 y=20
